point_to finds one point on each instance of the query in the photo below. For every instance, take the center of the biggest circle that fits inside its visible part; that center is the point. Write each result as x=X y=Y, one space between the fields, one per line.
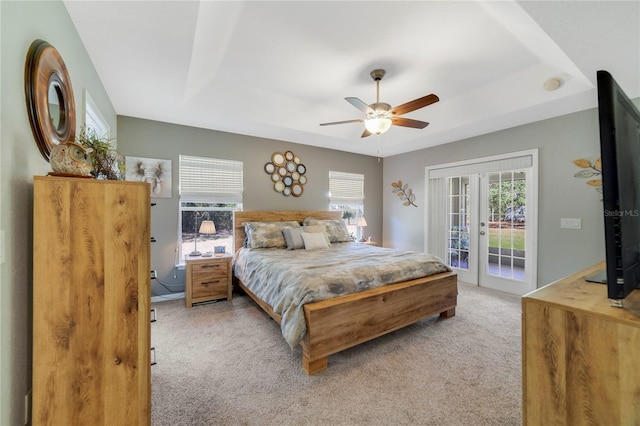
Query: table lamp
x=361 y=223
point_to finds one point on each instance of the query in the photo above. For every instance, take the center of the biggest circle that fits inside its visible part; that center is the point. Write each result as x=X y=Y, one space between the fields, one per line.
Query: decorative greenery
x=459 y=238
x=589 y=171
x=504 y=196
x=107 y=162
x=404 y=193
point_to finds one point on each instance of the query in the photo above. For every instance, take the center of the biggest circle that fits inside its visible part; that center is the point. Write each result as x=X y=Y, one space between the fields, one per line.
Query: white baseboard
x=166 y=297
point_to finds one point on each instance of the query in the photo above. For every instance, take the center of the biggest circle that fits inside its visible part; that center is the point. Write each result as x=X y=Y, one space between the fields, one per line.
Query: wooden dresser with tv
x=580 y=356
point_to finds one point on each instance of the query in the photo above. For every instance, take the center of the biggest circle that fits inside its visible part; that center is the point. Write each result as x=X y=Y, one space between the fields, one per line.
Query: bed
x=340 y=322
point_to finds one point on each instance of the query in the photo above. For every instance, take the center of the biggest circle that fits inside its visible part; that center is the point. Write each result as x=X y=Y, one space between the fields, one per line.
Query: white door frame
x=531 y=244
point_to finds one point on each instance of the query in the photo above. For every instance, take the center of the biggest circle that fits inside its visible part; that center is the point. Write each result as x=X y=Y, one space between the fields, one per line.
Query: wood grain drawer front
x=210 y=280
x=209 y=268
x=212 y=287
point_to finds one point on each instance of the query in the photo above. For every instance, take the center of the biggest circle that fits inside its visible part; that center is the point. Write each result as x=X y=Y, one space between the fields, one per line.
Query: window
x=210 y=190
x=94 y=119
x=346 y=193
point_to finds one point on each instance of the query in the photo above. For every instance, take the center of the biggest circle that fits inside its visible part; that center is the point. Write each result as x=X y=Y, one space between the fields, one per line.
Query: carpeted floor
x=227 y=364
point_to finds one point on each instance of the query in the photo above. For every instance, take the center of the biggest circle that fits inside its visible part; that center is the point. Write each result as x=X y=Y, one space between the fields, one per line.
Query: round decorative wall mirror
x=287 y=173
x=55 y=99
x=49 y=97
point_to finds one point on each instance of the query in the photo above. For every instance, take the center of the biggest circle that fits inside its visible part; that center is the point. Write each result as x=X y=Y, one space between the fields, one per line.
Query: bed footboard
x=337 y=324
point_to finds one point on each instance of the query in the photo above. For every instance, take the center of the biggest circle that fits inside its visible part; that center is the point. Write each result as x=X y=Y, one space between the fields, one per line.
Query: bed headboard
x=240 y=217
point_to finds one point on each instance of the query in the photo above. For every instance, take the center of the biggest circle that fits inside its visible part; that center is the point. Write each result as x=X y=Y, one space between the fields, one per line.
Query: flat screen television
x=620 y=155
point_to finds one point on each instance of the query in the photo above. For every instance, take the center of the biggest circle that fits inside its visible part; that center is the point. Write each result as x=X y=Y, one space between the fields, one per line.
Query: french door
x=482 y=220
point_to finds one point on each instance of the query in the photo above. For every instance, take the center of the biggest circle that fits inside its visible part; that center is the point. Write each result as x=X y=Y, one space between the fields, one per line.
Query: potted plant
x=106 y=162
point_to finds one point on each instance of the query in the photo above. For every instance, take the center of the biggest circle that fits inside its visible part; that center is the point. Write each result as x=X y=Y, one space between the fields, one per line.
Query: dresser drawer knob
x=210 y=266
x=211 y=282
x=117 y=361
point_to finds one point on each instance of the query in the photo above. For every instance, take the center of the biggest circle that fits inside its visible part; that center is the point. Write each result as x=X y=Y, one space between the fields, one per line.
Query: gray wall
x=21 y=23
x=560 y=141
x=145 y=138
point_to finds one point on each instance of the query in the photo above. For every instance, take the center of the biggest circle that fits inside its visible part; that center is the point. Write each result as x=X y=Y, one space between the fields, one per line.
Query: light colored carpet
x=227 y=364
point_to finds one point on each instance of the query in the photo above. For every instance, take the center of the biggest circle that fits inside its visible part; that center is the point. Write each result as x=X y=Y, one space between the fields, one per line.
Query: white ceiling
x=276 y=69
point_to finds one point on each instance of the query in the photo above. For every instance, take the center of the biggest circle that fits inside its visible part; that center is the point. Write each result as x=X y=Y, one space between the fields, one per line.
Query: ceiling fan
x=380 y=115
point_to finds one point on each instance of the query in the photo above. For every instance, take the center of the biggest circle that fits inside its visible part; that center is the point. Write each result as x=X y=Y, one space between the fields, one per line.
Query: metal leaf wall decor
x=405 y=193
x=590 y=171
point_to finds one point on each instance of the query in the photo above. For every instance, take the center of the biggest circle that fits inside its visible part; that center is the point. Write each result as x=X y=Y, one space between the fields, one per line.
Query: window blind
x=345 y=188
x=210 y=179
x=512 y=163
x=436 y=230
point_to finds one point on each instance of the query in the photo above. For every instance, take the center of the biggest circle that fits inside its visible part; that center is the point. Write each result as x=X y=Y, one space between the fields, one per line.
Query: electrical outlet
x=154 y=274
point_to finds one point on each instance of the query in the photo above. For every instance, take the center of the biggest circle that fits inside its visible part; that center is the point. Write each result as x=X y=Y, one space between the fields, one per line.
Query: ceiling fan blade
x=407 y=122
x=366 y=133
x=415 y=104
x=359 y=120
x=356 y=102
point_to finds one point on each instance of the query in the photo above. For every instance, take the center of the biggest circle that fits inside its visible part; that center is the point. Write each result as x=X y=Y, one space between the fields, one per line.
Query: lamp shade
x=377 y=125
x=361 y=221
x=207 y=227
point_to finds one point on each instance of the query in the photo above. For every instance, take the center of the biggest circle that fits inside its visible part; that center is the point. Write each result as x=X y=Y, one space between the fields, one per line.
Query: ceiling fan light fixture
x=380 y=116
x=377 y=125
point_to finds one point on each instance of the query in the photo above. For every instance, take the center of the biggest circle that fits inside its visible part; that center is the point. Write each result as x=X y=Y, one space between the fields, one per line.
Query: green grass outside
x=504 y=236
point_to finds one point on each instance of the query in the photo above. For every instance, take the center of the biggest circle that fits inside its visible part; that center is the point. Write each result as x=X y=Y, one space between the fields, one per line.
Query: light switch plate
x=571 y=223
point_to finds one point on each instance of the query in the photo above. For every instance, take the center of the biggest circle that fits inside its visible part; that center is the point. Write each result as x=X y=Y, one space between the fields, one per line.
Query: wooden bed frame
x=345 y=321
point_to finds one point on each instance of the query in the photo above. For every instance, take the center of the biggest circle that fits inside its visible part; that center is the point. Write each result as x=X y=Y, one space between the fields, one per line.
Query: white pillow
x=317 y=229
x=314 y=241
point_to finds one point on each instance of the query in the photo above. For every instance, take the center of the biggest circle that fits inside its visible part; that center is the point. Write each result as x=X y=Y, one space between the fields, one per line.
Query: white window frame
x=93 y=118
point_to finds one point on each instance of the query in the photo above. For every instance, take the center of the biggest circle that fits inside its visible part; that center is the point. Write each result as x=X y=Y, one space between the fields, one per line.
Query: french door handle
x=482 y=223
x=482 y=232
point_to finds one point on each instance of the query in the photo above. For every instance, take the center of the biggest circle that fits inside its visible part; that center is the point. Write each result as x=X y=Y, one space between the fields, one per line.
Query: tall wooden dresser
x=91 y=302
x=580 y=355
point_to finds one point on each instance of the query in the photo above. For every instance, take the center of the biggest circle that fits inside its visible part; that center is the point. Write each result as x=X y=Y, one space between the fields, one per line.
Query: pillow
x=336 y=228
x=314 y=241
x=293 y=238
x=317 y=229
x=267 y=234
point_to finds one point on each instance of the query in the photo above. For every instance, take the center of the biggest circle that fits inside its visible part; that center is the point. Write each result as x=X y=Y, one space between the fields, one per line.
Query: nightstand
x=207 y=278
